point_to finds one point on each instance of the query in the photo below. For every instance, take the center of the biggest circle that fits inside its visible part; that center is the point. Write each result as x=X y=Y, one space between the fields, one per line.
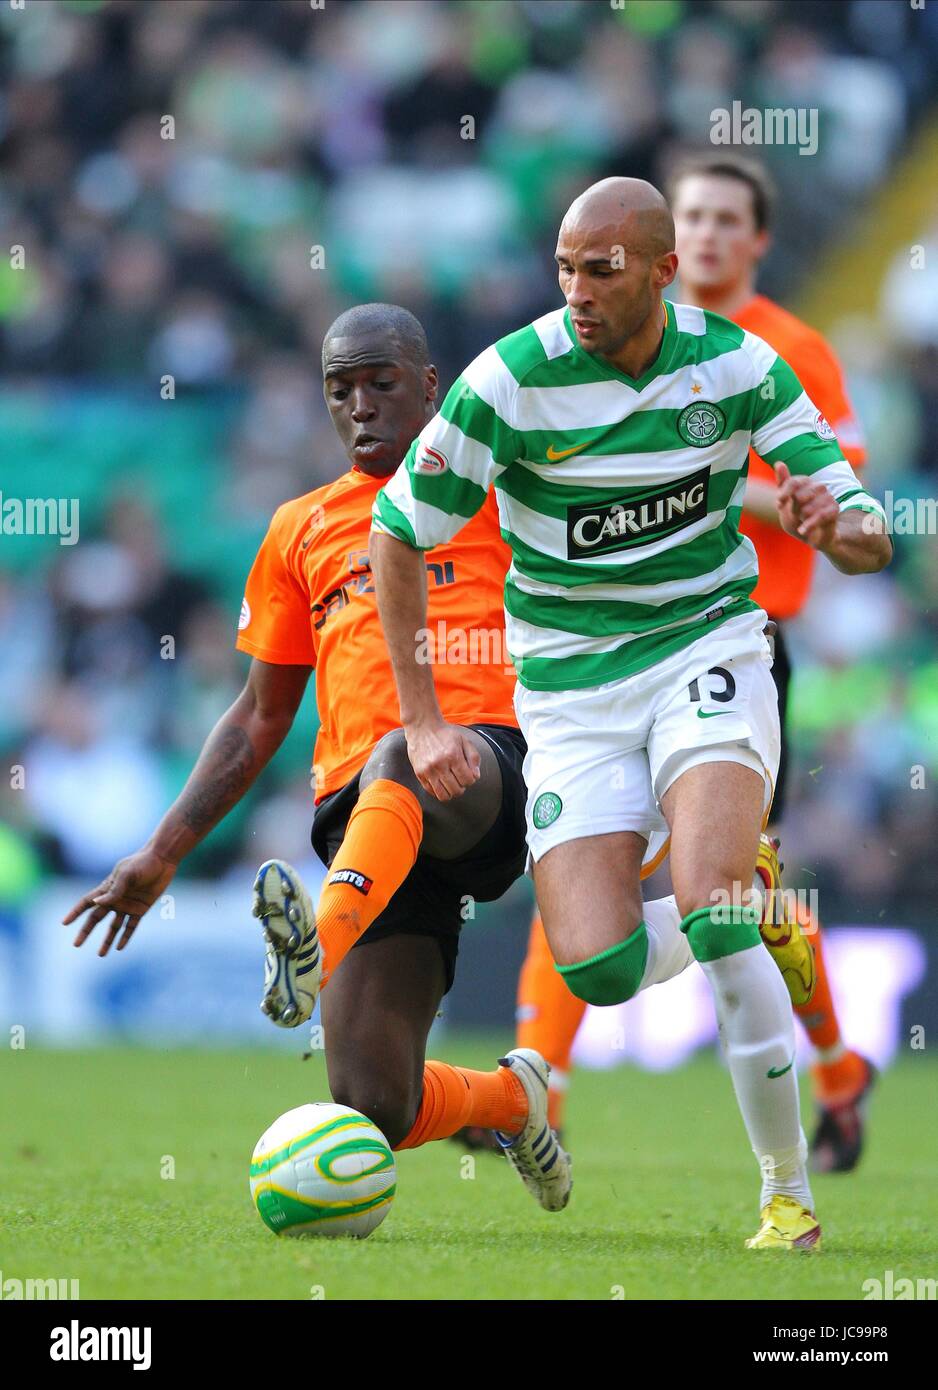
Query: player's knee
x=452 y=828
x=389 y=762
x=442 y=826
x=388 y=1103
x=611 y=976
x=723 y=888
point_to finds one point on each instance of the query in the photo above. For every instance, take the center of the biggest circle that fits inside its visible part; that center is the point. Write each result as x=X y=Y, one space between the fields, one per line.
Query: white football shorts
x=600 y=760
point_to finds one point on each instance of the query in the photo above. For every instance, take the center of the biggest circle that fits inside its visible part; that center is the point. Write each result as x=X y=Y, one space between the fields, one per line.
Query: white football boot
x=535 y=1154
x=293 y=966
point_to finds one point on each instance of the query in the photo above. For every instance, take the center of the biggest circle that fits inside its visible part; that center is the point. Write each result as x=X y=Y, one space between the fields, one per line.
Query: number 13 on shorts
x=719 y=696
x=725 y=712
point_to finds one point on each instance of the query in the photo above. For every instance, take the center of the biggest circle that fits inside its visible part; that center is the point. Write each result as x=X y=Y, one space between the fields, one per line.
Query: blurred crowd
x=170 y=165
x=200 y=186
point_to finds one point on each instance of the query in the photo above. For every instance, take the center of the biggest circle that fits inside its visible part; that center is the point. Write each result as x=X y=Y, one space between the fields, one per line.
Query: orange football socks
x=382 y=840
x=818 y=1016
x=454 y=1097
x=838 y=1074
x=548 y=1016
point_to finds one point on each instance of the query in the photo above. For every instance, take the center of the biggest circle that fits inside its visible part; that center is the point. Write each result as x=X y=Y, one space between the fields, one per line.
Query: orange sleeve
x=821 y=375
x=275 y=615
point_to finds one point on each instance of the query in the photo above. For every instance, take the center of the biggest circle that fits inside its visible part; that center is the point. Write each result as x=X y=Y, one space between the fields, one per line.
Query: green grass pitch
x=664 y=1192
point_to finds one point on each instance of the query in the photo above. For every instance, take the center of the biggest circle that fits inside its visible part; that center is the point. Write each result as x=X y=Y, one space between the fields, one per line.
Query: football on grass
x=322 y=1170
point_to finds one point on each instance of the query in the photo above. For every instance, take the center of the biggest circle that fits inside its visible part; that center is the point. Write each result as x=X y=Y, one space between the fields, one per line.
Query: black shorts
x=781 y=674
x=432 y=898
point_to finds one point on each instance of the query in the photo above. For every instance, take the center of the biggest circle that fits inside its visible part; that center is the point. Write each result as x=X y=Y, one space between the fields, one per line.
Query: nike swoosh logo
x=554 y=455
x=713 y=714
x=774 y=1072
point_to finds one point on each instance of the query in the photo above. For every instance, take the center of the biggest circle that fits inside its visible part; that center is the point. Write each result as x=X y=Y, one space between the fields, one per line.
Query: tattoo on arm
x=230 y=769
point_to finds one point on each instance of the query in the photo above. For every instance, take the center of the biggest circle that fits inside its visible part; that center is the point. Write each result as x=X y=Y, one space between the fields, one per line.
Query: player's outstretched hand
x=130 y=889
x=444 y=759
x=806 y=509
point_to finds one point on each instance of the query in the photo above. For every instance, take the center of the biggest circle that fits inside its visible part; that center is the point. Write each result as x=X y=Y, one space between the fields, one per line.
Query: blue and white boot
x=535 y=1154
x=293 y=966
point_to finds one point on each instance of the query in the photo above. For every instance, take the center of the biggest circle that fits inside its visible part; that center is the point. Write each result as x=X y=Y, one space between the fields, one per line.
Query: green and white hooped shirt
x=620 y=498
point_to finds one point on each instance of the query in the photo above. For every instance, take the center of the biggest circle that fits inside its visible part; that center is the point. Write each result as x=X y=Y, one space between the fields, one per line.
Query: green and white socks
x=757 y=1030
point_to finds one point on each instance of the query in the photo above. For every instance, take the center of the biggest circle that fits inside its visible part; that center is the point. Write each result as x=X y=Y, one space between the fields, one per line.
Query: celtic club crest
x=701 y=423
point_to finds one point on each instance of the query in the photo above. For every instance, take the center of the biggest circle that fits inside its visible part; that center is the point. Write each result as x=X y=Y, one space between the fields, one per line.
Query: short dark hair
x=729 y=166
x=396 y=323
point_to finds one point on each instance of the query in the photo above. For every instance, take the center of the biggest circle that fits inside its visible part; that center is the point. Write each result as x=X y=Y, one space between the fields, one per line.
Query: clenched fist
x=806 y=509
x=444 y=759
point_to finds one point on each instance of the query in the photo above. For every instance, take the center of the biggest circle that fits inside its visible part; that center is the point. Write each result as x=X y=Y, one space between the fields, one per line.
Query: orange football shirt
x=310 y=601
x=786 y=564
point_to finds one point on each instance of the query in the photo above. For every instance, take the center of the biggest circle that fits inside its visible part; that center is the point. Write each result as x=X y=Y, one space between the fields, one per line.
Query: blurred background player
x=722 y=207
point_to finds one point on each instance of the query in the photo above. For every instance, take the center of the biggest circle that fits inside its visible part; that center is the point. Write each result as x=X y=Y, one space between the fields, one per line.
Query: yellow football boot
x=779 y=929
x=786 y=1225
